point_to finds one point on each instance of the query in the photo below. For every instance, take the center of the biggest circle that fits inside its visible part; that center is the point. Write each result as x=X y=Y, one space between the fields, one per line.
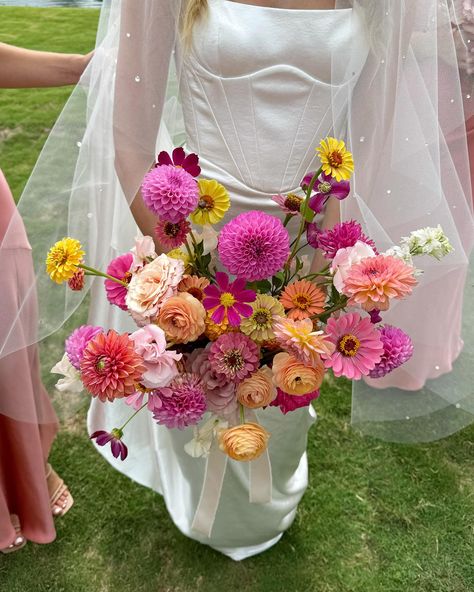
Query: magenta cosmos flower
x=179 y=159
x=342 y=236
x=254 y=245
x=398 y=349
x=114 y=438
x=229 y=300
x=288 y=402
x=358 y=346
x=235 y=356
x=77 y=342
x=119 y=268
x=172 y=234
x=326 y=187
x=170 y=192
x=183 y=402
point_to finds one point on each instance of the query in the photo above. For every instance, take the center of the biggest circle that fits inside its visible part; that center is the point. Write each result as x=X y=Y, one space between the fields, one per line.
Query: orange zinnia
x=303 y=299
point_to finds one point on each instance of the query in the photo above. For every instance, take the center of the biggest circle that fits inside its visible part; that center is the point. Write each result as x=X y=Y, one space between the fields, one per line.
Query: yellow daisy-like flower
x=259 y=325
x=214 y=201
x=63 y=259
x=183 y=256
x=215 y=330
x=337 y=161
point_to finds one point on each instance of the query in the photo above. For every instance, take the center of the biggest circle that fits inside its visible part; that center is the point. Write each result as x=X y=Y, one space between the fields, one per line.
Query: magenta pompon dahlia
x=230 y=300
x=398 y=349
x=235 y=356
x=183 y=402
x=77 y=342
x=119 y=268
x=178 y=158
x=170 y=192
x=254 y=245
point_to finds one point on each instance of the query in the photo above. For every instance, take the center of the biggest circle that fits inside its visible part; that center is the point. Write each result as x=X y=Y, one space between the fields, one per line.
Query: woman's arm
x=25 y=68
x=332 y=216
x=146 y=220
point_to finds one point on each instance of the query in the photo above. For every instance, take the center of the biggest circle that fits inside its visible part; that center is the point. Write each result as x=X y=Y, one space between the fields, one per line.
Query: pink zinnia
x=172 y=234
x=228 y=299
x=288 y=402
x=76 y=283
x=77 y=342
x=110 y=367
x=374 y=281
x=119 y=268
x=398 y=349
x=179 y=159
x=170 y=192
x=183 y=402
x=234 y=355
x=342 y=236
x=254 y=245
x=358 y=346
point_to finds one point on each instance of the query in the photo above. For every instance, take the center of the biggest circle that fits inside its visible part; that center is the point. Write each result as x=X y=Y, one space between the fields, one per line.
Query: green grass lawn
x=376 y=517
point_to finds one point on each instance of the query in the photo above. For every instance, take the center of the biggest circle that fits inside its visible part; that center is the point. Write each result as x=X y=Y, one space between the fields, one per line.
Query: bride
x=252 y=87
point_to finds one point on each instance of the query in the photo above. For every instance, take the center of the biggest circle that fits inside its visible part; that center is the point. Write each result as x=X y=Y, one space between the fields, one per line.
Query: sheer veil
x=402 y=115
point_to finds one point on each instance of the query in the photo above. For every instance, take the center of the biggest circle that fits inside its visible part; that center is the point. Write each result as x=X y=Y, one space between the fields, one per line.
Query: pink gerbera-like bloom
x=111 y=367
x=374 y=281
x=300 y=340
x=119 y=268
x=170 y=192
x=183 y=402
x=234 y=355
x=179 y=159
x=289 y=204
x=172 y=234
x=254 y=245
x=398 y=349
x=230 y=300
x=288 y=402
x=358 y=346
x=114 y=438
x=342 y=236
x=77 y=342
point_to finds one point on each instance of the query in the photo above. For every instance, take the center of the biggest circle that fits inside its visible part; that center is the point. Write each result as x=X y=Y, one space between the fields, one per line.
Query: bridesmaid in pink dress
x=30 y=491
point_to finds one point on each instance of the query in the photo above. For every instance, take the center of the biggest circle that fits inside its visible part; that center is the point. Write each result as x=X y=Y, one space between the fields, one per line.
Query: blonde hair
x=194 y=10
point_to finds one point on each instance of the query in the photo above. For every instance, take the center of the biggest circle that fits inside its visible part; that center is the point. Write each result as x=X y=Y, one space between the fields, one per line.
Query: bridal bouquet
x=233 y=321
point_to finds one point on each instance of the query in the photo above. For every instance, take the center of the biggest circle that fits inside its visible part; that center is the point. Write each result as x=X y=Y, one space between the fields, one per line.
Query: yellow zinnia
x=214 y=201
x=266 y=311
x=336 y=160
x=63 y=259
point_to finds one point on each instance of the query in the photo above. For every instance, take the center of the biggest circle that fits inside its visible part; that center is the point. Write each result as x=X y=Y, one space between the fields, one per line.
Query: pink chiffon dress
x=28 y=424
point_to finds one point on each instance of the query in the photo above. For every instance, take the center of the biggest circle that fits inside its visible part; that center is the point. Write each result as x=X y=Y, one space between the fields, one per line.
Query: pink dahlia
x=398 y=349
x=288 y=402
x=183 y=402
x=77 y=342
x=114 y=438
x=110 y=367
x=374 y=281
x=172 y=234
x=229 y=299
x=234 y=356
x=254 y=245
x=220 y=393
x=179 y=159
x=170 y=192
x=342 y=236
x=358 y=346
x=119 y=268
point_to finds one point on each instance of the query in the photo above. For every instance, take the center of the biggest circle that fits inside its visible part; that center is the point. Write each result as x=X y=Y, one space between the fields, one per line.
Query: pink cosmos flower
x=170 y=192
x=114 y=438
x=254 y=245
x=160 y=363
x=358 y=346
x=398 y=349
x=77 y=342
x=179 y=159
x=288 y=402
x=230 y=300
x=120 y=269
x=183 y=402
x=135 y=400
x=326 y=187
x=234 y=356
x=172 y=234
x=343 y=235
x=345 y=259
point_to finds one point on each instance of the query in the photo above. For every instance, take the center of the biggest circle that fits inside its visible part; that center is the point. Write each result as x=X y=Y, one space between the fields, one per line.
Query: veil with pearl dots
x=404 y=121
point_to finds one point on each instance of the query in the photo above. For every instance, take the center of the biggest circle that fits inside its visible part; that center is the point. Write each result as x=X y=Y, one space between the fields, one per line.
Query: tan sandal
x=57 y=490
x=19 y=541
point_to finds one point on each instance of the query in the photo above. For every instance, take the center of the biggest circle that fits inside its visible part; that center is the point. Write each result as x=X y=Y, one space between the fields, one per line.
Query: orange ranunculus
x=258 y=390
x=294 y=378
x=244 y=442
x=182 y=318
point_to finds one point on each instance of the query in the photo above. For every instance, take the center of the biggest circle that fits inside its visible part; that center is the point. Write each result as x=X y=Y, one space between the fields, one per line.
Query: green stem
x=331 y=310
x=188 y=249
x=98 y=273
x=132 y=416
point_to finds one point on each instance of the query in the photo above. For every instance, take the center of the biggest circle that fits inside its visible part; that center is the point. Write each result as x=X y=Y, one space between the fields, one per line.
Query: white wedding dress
x=256 y=101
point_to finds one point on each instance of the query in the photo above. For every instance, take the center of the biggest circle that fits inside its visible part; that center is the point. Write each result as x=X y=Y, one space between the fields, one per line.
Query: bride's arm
x=26 y=68
x=332 y=215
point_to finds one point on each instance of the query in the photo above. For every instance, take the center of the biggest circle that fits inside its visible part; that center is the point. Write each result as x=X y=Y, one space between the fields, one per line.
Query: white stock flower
x=209 y=237
x=71 y=382
x=428 y=241
x=201 y=444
